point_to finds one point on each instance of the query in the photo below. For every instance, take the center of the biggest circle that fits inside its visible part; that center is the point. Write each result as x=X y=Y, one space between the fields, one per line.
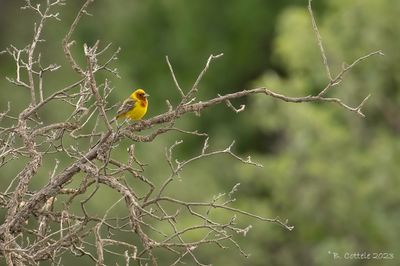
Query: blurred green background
x=332 y=174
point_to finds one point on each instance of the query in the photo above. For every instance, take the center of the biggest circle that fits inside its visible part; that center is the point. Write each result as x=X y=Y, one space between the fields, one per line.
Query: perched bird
x=134 y=107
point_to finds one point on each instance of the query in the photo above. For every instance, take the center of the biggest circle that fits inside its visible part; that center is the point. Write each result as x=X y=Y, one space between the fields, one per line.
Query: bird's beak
x=146 y=95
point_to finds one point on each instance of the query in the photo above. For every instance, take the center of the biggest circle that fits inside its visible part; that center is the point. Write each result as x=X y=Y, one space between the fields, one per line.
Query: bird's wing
x=125 y=107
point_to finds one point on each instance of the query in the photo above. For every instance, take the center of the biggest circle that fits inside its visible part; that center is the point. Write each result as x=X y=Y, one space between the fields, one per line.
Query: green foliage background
x=332 y=174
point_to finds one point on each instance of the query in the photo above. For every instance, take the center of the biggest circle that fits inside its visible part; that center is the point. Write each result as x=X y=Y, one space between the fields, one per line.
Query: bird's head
x=139 y=94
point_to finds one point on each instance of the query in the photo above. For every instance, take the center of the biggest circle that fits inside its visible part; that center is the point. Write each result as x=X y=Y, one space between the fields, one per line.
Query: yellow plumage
x=134 y=107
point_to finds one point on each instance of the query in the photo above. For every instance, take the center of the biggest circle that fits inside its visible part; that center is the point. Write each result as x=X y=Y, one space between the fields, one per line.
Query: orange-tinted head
x=139 y=94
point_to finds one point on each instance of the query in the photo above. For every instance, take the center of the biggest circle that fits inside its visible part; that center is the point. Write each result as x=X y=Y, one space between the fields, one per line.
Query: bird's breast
x=143 y=103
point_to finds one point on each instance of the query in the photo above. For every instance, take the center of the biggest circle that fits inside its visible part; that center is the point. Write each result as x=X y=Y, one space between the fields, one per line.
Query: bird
x=134 y=107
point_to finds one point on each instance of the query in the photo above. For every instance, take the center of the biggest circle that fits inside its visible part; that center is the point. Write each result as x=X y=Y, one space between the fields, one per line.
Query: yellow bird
x=135 y=107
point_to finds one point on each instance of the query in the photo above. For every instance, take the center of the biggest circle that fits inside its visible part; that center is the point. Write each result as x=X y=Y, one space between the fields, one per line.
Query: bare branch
x=173 y=77
x=319 y=41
